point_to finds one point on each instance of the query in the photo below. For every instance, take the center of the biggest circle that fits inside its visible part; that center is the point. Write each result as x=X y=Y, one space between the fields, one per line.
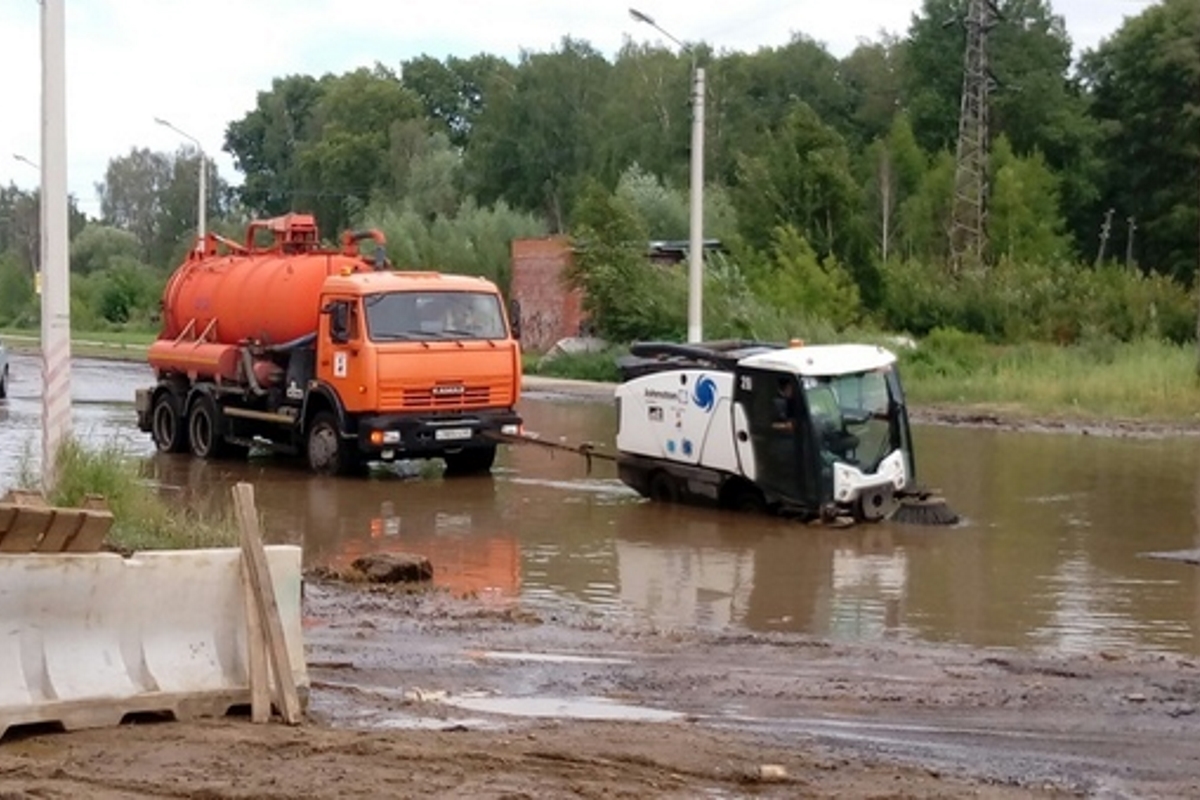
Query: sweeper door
x=779 y=437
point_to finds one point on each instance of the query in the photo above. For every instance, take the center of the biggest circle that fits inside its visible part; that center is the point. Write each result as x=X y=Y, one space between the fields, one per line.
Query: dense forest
x=829 y=181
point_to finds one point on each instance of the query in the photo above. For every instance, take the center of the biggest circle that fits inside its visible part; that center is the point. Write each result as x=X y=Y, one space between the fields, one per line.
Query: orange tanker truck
x=328 y=354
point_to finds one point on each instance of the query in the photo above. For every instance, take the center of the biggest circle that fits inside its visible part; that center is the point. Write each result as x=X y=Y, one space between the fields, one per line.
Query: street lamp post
x=696 y=191
x=56 y=294
x=203 y=199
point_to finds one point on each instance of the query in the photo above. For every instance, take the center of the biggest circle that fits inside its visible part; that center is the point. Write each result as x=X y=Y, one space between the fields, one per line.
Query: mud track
x=424 y=695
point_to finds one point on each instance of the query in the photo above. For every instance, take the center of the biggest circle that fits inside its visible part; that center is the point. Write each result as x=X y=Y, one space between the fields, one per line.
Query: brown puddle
x=1048 y=556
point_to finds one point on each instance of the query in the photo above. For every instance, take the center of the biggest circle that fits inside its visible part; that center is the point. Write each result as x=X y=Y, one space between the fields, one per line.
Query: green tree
x=873 y=74
x=470 y=241
x=800 y=176
x=98 y=246
x=626 y=297
x=893 y=168
x=1145 y=82
x=346 y=161
x=536 y=140
x=265 y=143
x=925 y=216
x=153 y=196
x=454 y=92
x=796 y=281
x=1024 y=221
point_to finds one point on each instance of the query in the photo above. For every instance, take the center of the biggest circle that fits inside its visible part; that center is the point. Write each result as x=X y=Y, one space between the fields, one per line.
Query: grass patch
x=127 y=338
x=142 y=519
x=600 y=366
x=1146 y=379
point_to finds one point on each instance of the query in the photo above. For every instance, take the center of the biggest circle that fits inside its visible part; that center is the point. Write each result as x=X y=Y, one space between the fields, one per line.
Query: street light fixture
x=696 y=224
x=202 y=202
x=25 y=160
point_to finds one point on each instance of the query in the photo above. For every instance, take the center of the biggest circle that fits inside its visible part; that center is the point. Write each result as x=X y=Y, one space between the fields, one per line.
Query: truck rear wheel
x=328 y=452
x=470 y=462
x=206 y=431
x=167 y=424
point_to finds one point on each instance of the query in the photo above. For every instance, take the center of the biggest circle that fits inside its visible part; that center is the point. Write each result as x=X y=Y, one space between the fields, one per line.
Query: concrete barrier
x=87 y=639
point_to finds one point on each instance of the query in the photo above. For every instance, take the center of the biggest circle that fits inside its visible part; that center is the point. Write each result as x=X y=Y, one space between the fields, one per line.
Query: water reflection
x=1048 y=556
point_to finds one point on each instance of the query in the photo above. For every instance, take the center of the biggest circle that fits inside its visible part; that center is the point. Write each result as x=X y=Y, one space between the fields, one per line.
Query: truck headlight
x=510 y=430
x=385 y=437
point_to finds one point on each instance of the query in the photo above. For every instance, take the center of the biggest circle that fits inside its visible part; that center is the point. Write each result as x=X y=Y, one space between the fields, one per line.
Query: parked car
x=3 y=372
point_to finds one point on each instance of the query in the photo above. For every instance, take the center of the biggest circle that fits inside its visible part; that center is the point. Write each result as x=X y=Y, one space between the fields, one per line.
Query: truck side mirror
x=339 y=322
x=514 y=317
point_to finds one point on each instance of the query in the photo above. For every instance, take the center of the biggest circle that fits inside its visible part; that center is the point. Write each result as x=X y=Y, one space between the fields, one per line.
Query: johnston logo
x=705 y=393
x=448 y=389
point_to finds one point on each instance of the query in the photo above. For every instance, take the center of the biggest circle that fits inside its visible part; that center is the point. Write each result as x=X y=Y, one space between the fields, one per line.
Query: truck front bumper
x=388 y=437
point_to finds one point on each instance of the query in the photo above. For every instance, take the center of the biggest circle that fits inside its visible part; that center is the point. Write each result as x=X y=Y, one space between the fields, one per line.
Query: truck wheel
x=167 y=424
x=664 y=488
x=205 y=431
x=328 y=452
x=470 y=462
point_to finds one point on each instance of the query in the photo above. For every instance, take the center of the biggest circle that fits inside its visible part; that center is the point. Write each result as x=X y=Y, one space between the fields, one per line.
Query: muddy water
x=102 y=408
x=1048 y=556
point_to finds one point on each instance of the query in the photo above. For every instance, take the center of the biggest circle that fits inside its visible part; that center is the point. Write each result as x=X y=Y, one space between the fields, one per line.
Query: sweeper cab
x=816 y=432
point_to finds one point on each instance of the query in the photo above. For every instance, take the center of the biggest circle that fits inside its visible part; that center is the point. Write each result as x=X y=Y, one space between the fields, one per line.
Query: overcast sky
x=200 y=64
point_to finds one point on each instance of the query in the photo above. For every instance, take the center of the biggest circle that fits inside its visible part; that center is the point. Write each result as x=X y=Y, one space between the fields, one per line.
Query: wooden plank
x=264 y=593
x=26 y=497
x=256 y=654
x=95 y=502
x=62 y=530
x=90 y=537
x=8 y=513
x=26 y=530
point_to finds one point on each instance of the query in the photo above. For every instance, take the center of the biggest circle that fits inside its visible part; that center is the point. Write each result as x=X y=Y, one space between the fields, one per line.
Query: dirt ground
x=424 y=695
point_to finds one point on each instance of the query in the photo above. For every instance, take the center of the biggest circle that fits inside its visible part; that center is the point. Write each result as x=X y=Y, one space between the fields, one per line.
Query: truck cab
x=414 y=365
x=808 y=431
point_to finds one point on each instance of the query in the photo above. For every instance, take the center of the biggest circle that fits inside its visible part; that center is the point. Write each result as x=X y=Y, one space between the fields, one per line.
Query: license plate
x=452 y=434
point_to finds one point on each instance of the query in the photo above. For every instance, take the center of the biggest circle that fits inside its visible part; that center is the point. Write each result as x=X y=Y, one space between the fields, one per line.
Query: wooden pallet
x=28 y=524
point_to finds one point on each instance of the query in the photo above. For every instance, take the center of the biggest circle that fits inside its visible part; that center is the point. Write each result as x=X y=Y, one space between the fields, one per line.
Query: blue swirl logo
x=705 y=393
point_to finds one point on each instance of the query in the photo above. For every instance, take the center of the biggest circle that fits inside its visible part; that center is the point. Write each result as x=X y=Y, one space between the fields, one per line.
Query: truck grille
x=392 y=399
x=469 y=397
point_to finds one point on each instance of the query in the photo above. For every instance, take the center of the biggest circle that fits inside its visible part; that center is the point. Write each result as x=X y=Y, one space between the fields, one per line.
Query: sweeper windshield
x=857 y=418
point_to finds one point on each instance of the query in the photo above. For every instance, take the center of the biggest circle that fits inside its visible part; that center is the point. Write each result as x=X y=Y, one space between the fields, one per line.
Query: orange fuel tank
x=266 y=294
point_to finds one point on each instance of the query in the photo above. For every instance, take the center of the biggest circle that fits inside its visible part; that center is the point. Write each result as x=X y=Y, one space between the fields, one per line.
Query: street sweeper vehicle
x=326 y=353
x=815 y=432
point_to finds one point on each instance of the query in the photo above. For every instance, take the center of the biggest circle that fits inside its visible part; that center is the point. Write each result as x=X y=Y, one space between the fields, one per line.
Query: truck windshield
x=426 y=316
x=853 y=417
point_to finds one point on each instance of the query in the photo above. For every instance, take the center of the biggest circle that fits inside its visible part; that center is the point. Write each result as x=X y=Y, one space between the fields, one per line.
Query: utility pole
x=968 y=225
x=1105 y=232
x=56 y=289
x=1129 y=242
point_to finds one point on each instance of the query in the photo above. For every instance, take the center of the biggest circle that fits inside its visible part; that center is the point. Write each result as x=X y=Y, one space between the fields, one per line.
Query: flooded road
x=1048 y=557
